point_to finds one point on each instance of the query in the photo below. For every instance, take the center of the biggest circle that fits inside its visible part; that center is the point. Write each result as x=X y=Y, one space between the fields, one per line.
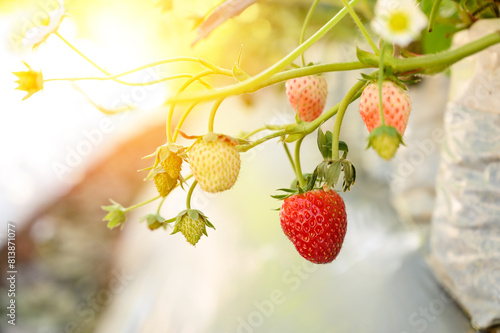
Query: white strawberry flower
x=37 y=35
x=398 y=21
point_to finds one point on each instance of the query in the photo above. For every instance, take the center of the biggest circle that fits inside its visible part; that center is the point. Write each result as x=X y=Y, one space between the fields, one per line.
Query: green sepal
x=116 y=215
x=367 y=58
x=295 y=132
x=193 y=214
x=385 y=140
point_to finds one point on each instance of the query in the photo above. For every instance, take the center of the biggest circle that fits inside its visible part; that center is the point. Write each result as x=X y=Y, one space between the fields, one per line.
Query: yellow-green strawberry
x=166 y=170
x=215 y=162
x=192 y=224
x=164 y=183
x=307 y=95
x=396 y=104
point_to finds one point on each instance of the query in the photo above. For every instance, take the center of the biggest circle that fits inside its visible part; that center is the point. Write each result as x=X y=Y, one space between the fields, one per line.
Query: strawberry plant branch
x=304 y=26
x=190 y=194
x=211 y=119
x=298 y=168
x=167 y=78
x=432 y=63
x=348 y=99
x=360 y=25
x=109 y=76
x=248 y=84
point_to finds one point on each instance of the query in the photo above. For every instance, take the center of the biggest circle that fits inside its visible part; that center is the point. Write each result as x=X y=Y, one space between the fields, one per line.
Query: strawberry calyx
x=328 y=171
x=154 y=221
x=385 y=140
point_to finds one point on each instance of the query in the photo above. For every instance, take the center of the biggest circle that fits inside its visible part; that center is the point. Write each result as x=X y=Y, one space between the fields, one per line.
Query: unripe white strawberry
x=307 y=95
x=215 y=162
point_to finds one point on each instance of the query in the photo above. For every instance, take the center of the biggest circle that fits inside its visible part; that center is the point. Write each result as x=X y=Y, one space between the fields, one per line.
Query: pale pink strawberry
x=307 y=95
x=396 y=104
x=215 y=162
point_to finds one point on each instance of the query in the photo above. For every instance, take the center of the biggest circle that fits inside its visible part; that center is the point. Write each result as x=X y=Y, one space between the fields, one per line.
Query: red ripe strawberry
x=316 y=223
x=397 y=107
x=307 y=95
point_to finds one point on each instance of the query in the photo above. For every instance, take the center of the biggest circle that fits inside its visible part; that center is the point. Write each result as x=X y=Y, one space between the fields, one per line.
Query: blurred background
x=62 y=159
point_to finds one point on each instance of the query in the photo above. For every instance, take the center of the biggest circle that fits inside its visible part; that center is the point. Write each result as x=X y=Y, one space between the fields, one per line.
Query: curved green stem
x=298 y=168
x=128 y=209
x=289 y=155
x=211 y=119
x=182 y=120
x=247 y=85
x=190 y=194
x=360 y=25
x=348 y=98
x=304 y=26
x=159 y=206
x=172 y=107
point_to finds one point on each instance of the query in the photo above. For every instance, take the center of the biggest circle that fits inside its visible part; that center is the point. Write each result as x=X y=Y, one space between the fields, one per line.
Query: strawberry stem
x=159 y=206
x=381 y=81
x=298 y=168
x=211 y=119
x=190 y=194
x=348 y=99
x=289 y=155
x=434 y=12
x=128 y=209
x=172 y=107
x=304 y=26
x=360 y=25
x=182 y=120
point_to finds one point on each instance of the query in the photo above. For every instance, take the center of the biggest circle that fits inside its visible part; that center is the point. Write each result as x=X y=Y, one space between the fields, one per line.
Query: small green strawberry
x=192 y=224
x=307 y=95
x=396 y=106
x=215 y=162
